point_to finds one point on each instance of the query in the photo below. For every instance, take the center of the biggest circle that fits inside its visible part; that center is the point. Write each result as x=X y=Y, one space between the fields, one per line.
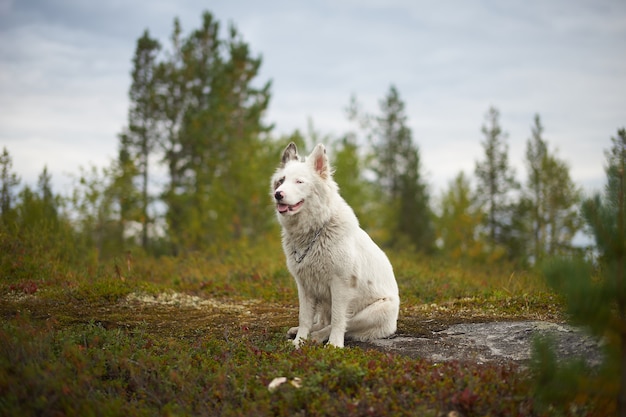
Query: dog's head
x=296 y=178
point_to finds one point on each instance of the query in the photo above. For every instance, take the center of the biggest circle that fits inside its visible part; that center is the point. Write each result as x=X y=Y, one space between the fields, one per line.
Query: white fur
x=346 y=285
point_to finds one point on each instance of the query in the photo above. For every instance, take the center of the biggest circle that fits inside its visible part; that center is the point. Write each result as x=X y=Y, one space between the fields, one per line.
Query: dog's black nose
x=278 y=195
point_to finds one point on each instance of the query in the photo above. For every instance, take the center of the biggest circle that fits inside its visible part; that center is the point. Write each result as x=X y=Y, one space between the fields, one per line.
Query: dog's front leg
x=306 y=316
x=339 y=319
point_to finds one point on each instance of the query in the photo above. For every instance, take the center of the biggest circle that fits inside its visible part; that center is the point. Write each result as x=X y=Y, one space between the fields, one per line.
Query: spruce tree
x=348 y=165
x=597 y=299
x=8 y=181
x=551 y=199
x=459 y=220
x=496 y=183
x=49 y=202
x=397 y=166
x=218 y=150
x=199 y=107
x=536 y=155
x=139 y=141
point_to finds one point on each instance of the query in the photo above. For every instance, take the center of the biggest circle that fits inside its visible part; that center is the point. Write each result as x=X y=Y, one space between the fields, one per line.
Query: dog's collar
x=299 y=257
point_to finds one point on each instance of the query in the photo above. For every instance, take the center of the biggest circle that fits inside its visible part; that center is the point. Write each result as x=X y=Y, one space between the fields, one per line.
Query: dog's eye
x=299 y=181
x=279 y=182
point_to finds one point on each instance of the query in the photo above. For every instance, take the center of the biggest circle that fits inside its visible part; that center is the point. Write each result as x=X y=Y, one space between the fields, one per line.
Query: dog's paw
x=336 y=340
x=321 y=336
x=318 y=337
x=291 y=333
x=298 y=342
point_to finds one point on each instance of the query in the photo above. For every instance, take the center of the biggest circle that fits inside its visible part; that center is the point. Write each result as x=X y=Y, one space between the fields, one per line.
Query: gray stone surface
x=493 y=342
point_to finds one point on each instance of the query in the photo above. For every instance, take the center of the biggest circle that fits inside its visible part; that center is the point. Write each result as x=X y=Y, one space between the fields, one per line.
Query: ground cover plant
x=202 y=333
x=205 y=335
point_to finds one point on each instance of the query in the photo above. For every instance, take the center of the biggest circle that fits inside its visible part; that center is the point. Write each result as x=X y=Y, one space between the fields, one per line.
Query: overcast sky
x=65 y=73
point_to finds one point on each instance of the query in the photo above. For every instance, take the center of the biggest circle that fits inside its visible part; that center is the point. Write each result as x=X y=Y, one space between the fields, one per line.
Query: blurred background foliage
x=195 y=156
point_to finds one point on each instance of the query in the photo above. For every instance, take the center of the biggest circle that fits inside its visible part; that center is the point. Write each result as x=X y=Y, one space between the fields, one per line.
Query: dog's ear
x=320 y=161
x=289 y=154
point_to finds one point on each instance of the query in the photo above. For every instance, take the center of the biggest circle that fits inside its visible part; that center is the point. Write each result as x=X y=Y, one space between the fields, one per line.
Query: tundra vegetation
x=158 y=285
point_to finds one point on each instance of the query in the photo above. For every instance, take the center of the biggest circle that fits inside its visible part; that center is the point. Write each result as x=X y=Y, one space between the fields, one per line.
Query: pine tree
x=536 y=155
x=139 y=141
x=8 y=180
x=551 y=200
x=199 y=106
x=397 y=166
x=131 y=200
x=598 y=300
x=353 y=164
x=49 y=202
x=97 y=221
x=459 y=221
x=211 y=111
x=172 y=101
x=496 y=182
x=39 y=219
x=348 y=164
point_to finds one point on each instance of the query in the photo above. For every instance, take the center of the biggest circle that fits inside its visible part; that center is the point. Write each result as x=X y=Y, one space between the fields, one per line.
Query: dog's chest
x=313 y=278
x=316 y=271
x=318 y=258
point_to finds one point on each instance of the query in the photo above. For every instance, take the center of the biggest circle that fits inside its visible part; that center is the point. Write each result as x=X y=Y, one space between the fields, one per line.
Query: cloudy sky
x=65 y=73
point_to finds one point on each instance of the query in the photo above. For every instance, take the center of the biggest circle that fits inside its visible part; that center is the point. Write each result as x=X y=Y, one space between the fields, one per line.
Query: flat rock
x=492 y=342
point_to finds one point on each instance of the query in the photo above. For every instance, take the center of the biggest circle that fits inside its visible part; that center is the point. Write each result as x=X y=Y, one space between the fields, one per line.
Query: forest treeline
x=196 y=153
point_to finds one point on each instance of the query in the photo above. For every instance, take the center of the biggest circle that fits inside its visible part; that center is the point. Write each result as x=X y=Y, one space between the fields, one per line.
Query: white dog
x=346 y=285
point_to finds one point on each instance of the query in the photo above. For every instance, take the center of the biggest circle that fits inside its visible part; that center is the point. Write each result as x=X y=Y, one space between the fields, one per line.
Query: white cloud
x=63 y=98
x=65 y=72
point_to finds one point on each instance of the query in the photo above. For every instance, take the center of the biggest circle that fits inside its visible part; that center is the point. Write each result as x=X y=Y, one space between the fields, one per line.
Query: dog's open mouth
x=285 y=208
